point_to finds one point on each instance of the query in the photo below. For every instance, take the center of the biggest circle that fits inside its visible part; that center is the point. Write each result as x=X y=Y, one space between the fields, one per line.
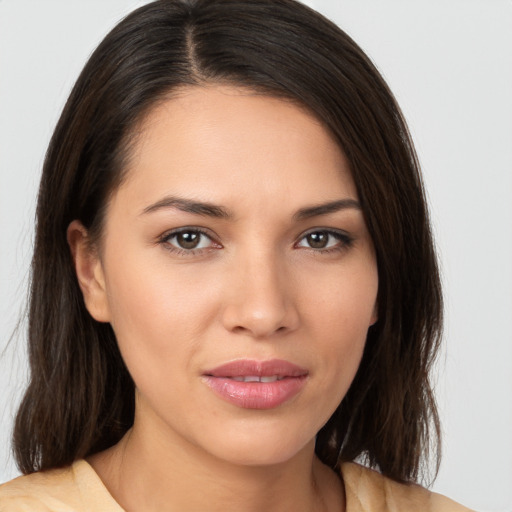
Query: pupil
x=188 y=240
x=318 y=240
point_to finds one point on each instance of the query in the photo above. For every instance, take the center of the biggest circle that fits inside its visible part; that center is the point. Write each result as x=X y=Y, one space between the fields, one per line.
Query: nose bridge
x=261 y=302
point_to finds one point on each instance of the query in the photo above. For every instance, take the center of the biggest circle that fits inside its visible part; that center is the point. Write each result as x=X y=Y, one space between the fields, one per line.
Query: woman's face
x=237 y=273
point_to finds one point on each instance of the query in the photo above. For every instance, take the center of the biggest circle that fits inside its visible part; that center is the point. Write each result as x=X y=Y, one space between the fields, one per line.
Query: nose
x=261 y=300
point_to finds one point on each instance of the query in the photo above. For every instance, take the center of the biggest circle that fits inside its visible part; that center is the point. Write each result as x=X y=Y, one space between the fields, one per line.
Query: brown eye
x=325 y=239
x=188 y=239
x=318 y=240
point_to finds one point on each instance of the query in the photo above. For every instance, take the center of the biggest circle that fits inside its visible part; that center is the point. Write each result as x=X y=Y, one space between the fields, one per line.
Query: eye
x=188 y=240
x=323 y=239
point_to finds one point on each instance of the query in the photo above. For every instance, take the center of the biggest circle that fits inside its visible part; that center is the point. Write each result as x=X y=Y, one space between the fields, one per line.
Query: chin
x=261 y=447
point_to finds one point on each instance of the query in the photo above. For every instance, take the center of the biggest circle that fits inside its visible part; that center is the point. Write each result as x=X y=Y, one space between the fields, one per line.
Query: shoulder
x=368 y=491
x=41 y=492
x=75 y=488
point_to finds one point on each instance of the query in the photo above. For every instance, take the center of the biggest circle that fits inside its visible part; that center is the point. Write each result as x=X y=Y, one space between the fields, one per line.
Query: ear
x=89 y=271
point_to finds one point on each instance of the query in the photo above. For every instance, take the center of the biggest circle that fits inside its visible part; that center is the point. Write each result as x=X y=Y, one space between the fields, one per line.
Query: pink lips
x=256 y=384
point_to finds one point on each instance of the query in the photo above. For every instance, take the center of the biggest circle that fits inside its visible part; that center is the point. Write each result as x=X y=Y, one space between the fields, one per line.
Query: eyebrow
x=326 y=208
x=208 y=209
x=187 y=205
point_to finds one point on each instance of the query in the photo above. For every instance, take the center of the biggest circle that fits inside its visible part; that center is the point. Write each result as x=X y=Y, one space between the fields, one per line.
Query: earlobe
x=89 y=271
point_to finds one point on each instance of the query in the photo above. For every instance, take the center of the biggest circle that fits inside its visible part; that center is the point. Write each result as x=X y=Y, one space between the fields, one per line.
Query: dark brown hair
x=80 y=398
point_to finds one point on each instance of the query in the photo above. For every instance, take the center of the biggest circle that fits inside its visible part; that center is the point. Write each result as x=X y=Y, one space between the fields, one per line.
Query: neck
x=144 y=472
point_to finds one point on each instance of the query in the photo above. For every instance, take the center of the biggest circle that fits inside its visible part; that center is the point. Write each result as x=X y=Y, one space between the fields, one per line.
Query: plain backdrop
x=449 y=63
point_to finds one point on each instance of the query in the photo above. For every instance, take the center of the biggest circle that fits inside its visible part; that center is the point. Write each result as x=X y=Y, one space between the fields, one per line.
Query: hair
x=80 y=397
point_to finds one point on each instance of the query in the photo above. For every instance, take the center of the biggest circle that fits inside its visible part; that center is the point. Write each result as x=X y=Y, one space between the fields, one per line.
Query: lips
x=256 y=384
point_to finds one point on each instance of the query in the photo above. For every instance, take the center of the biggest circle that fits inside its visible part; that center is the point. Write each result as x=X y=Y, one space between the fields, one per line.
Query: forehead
x=226 y=143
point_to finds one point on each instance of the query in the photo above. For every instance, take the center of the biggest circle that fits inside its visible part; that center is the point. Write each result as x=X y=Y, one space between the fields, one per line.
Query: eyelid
x=344 y=238
x=166 y=236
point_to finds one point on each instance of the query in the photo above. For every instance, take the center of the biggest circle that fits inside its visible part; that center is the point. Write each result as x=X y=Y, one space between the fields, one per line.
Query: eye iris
x=318 y=240
x=188 y=239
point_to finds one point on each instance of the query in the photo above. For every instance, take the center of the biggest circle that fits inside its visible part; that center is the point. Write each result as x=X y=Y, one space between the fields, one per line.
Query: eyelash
x=168 y=236
x=344 y=241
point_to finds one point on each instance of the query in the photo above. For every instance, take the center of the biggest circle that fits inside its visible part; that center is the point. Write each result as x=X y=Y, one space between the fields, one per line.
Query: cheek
x=157 y=315
x=337 y=313
x=342 y=303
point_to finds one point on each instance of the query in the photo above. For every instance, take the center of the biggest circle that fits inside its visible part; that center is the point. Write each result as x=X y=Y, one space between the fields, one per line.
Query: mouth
x=256 y=384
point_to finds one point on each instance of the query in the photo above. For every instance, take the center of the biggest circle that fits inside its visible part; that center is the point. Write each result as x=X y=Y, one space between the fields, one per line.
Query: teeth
x=251 y=378
x=255 y=378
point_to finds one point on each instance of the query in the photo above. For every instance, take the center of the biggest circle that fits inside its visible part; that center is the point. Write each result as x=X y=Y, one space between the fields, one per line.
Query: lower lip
x=256 y=395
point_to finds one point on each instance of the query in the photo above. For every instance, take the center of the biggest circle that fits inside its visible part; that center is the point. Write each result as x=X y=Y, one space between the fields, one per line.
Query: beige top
x=79 y=489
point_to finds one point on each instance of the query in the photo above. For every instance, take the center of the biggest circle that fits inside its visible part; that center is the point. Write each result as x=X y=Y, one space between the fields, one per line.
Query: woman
x=235 y=292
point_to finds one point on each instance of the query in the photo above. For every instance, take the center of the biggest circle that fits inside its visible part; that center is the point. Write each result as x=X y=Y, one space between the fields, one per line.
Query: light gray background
x=449 y=63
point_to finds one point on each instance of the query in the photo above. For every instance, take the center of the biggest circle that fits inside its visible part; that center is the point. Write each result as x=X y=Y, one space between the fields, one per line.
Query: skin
x=255 y=288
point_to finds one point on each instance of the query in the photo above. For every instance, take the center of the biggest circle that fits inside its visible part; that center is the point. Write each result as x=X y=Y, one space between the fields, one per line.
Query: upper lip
x=247 y=367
